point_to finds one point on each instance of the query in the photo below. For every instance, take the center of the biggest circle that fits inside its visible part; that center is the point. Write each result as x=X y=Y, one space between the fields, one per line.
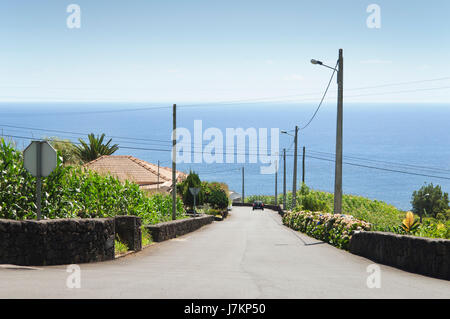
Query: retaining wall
x=425 y=256
x=172 y=229
x=56 y=241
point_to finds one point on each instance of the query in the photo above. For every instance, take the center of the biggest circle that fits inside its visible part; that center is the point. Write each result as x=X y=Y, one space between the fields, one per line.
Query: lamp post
x=339 y=131
x=294 y=182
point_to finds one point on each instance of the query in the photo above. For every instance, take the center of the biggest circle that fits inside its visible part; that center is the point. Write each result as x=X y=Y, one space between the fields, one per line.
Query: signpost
x=194 y=191
x=39 y=159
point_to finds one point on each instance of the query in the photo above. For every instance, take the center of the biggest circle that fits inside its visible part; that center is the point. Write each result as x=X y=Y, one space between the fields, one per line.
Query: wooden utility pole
x=243 y=196
x=303 y=166
x=294 y=182
x=174 y=164
x=276 y=182
x=38 y=180
x=284 y=178
x=339 y=134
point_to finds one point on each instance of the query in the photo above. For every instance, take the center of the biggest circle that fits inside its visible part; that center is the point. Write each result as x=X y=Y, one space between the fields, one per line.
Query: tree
x=66 y=149
x=430 y=200
x=191 y=181
x=89 y=152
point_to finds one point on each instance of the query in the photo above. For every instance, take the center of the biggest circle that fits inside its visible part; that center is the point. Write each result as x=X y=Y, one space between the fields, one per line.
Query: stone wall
x=425 y=256
x=172 y=229
x=128 y=230
x=56 y=241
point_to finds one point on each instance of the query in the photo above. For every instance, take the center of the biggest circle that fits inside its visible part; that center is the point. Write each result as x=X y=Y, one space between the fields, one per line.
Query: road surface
x=249 y=255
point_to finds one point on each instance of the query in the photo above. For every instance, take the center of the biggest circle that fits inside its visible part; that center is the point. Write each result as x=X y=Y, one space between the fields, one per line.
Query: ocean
x=390 y=150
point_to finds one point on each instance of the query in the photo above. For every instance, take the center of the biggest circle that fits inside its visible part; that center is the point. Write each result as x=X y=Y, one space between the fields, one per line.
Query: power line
x=379 y=168
x=399 y=83
x=227 y=101
x=233 y=152
x=78 y=133
x=310 y=156
x=261 y=99
x=323 y=97
x=218 y=172
x=385 y=162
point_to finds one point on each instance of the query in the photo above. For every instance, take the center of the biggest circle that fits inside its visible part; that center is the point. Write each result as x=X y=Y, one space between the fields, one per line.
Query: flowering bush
x=333 y=229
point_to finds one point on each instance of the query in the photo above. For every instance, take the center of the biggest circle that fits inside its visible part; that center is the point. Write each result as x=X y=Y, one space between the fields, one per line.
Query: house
x=235 y=197
x=130 y=168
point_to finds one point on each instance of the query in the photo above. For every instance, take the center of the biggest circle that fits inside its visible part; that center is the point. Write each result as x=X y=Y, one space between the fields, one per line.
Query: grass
x=119 y=247
x=146 y=237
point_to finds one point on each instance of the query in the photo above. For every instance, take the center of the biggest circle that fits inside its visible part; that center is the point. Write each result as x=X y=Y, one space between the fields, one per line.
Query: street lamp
x=294 y=182
x=339 y=131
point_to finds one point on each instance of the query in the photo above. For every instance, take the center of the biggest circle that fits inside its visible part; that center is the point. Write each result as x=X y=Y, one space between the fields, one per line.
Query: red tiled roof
x=126 y=167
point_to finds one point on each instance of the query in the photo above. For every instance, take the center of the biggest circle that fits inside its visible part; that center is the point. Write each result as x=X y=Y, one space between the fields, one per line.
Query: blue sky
x=177 y=51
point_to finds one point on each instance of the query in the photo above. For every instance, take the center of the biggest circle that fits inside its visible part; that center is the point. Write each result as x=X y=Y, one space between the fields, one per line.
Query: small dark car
x=258 y=205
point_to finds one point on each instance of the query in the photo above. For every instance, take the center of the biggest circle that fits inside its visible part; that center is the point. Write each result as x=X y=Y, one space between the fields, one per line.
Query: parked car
x=258 y=205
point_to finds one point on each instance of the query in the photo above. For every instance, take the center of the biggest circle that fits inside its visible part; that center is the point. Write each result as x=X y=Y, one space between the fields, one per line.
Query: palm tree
x=89 y=152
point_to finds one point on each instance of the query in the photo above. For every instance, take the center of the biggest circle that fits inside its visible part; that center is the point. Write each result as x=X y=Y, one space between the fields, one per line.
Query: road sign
x=194 y=191
x=39 y=152
x=39 y=159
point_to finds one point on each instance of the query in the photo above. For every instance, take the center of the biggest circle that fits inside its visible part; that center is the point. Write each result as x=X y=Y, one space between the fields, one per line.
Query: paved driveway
x=249 y=255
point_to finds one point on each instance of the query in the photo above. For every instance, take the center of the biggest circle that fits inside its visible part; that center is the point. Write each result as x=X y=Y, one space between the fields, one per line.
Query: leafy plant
x=95 y=148
x=409 y=224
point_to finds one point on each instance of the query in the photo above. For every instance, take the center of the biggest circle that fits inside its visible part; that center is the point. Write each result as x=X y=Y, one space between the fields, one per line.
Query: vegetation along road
x=249 y=255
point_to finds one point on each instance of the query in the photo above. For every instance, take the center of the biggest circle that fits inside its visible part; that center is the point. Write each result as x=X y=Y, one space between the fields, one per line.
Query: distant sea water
x=379 y=140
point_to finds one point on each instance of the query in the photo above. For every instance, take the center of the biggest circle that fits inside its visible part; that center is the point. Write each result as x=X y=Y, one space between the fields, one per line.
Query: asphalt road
x=249 y=255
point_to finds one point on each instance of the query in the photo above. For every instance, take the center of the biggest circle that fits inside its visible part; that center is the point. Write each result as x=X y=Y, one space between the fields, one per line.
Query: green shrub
x=312 y=203
x=215 y=195
x=433 y=229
